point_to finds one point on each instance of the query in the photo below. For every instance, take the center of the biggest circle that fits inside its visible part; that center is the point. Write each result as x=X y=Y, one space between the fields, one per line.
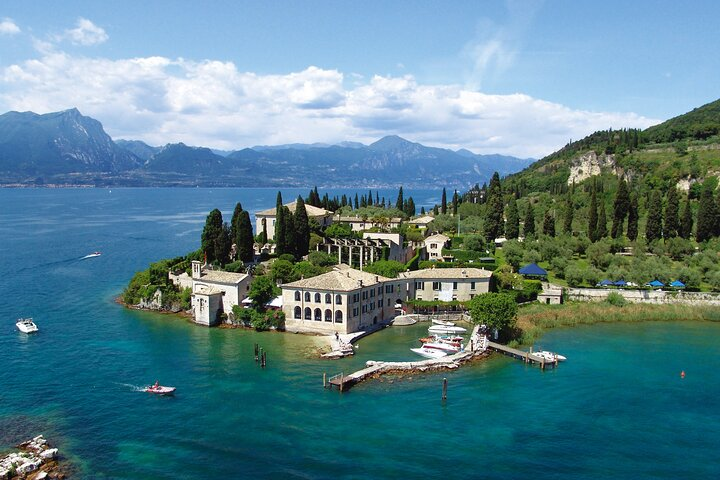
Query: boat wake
x=130 y=386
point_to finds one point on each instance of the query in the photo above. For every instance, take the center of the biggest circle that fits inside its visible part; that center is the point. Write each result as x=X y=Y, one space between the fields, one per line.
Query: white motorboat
x=443 y=323
x=445 y=329
x=447 y=347
x=91 y=255
x=158 y=389
x=26 y=325
x=429 y=352
x=550 y=356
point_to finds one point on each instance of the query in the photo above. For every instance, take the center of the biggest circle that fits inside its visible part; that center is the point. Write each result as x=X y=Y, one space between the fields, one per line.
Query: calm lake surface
x=616 y=409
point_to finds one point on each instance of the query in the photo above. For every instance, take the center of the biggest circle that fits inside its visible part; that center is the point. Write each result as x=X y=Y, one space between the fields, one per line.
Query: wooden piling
x=264 y=359
x=256 y=352
x=324 y=380
x=342 y=381
x=444 y=389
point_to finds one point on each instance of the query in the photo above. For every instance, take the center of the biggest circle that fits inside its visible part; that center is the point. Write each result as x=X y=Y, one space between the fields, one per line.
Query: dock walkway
x=527 y=357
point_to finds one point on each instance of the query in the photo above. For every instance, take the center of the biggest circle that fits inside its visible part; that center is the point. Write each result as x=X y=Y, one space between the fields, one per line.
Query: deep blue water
x=616 y=409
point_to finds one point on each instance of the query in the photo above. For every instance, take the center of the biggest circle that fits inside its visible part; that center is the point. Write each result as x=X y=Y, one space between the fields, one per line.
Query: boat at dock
x=443 y=323
x=158 y=389
x=443 y=346
x=446 y=329
x=550 y=356
x=429 y=352
x=26 y=325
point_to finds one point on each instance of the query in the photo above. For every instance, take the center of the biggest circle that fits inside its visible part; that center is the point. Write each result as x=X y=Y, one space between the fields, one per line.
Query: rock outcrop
x=589 y=165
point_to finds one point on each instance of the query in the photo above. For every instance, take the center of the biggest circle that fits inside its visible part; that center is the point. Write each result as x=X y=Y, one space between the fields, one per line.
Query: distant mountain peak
x=391 y=142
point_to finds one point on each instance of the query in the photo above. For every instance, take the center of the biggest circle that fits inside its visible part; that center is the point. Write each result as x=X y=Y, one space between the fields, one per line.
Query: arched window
x=328 y=298
x=328 y=315
x=317 y=298
x=297 y=295
x=318 y=315
x=338 y=299
x=308 y=313
x=298 y=312
x=307 y=296
x=338 y=316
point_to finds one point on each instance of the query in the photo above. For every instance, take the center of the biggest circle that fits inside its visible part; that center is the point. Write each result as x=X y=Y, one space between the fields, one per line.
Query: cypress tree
x=357 y=205
x=493 y=224
x=686 y=222
x=672 y=214
x=410 y=210
x=455 y=202
x=529 y=230
x=602 y=221
x=653 y=228
x=435 y=210
x=263 y=234
x=235 y=220
x=215 y=241
x=512 y=225
x=302 y=229
x=279 y=232
x=370 y=199
x=422 y=210
x=632 y=225
x=443 y=204
x=244 y=238
x=593 y=217
x=620 y=209
x=549 y=223
x=288 y=241
x=400 y=201
x=569 y=213
x=706 y=216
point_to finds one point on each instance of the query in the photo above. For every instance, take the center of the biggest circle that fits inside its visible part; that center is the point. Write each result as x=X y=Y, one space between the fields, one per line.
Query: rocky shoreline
x=36 y=460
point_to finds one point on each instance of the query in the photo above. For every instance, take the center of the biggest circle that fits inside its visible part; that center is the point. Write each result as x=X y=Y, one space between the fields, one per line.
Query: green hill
x=684 y=147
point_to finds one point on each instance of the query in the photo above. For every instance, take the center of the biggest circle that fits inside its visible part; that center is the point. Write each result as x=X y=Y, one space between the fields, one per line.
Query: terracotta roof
x=342 y=278
x=311 y=211
x=221 y=277
x=424 y=220
x=448 y=273
x=438 y=237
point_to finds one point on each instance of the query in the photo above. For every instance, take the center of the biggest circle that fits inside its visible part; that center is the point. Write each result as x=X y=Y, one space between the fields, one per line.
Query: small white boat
x=159 y=389
x=429 y=352
x=550 y=356
x=445 y=329
x=26 y=325
x=447 y=347
x=91 y=255
x=443 y=323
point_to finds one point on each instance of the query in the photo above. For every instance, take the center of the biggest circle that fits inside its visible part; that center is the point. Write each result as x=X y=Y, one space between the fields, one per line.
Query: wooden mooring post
x=324 y=380
x=256 y=352
x=444 y=389
x=264 y=359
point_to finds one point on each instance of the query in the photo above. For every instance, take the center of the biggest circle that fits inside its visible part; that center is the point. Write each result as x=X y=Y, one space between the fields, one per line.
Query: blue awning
x=620 y=283
x=605 y=283
x=533 y=269
x=655 y=283
x=677 y=284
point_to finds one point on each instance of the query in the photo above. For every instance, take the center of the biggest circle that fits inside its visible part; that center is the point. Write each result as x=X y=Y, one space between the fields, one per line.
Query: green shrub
x=615 y=299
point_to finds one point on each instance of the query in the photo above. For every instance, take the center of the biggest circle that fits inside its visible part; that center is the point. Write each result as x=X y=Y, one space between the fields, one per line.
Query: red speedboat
x=159 y=389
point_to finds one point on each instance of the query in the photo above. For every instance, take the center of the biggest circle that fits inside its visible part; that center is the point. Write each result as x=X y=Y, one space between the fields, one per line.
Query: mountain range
x=68 y=148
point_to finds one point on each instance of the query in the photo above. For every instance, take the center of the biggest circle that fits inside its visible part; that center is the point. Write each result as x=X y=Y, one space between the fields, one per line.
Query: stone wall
x=648 y=296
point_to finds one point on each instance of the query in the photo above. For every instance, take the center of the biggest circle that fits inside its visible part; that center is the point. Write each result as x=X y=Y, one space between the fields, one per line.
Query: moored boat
x=159 y=389
x=445 y=329
x=26 y=325
x=443 y=323
x=429 y=352
x=449 y=348
x=550 y=356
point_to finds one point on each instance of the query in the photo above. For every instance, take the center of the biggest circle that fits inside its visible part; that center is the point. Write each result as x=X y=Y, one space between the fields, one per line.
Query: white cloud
x=8 y=27
x=86 y=33
x=212 y=103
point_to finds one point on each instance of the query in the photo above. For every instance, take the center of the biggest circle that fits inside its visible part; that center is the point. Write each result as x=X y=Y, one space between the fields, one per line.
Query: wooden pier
x=527 y=357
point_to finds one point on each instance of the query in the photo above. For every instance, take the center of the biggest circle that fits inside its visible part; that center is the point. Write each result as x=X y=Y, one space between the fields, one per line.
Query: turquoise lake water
x=617 y=408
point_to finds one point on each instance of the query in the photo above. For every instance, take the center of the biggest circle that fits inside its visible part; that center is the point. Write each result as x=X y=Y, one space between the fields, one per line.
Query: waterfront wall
x=647 y=296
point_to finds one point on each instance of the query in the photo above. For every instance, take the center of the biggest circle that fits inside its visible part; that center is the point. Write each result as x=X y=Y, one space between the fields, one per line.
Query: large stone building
x=215 y=292
x=447 y=284
x=267 y=218
x=344 y=300
x=358 y=224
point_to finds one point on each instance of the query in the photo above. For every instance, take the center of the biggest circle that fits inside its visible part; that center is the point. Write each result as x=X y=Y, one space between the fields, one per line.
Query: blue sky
x=511 y=77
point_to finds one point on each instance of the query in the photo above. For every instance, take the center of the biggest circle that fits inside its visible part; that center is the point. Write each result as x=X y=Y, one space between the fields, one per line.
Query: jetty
x=527 y=357
x=477 y=346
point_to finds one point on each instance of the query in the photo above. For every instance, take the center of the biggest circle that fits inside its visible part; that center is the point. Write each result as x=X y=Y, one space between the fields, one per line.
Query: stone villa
x=268 y=217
